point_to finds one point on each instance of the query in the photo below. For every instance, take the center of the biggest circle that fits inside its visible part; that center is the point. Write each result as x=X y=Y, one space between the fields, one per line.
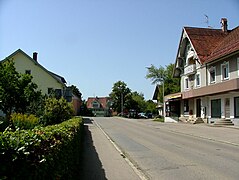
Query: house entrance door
x=198 y=108
x=227 y=108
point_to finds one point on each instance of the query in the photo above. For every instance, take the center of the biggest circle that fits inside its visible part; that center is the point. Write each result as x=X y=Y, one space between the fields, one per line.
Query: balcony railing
x=190 y=69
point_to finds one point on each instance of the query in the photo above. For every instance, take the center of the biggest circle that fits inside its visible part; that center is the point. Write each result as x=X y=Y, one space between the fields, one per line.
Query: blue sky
x=95 y=43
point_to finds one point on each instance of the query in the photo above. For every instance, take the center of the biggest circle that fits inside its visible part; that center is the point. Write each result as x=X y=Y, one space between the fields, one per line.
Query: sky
x=95 y=43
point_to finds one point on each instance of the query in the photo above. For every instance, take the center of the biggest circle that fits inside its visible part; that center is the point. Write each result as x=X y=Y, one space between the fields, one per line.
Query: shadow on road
x=91 y=164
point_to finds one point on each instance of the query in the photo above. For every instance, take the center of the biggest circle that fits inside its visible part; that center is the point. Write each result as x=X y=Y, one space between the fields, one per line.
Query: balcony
x=190 y=54
x=190 y=69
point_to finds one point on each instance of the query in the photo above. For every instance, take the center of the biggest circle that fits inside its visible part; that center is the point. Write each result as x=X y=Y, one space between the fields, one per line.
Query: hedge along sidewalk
x=51 y=152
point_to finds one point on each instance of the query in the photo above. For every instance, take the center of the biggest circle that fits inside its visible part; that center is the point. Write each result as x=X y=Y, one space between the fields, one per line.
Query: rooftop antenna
x=207 y=19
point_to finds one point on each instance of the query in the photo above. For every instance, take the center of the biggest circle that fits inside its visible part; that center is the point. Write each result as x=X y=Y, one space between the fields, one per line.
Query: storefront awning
x=172 y=96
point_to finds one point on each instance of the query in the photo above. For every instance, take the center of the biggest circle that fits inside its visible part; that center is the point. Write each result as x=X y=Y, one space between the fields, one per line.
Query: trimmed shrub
x=24 y=121
x=56 y=111
x=50 y=152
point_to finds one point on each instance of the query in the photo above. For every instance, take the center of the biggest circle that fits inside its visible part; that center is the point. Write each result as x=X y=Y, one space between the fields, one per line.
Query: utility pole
x=122 y=104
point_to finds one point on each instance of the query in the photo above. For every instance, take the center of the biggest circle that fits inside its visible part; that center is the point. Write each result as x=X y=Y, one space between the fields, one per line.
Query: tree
x=150 y=107
x=75 y=90
x=56 y=111
x=164 y=77
x=17 y=91
x=120 y=95
x=139 y=101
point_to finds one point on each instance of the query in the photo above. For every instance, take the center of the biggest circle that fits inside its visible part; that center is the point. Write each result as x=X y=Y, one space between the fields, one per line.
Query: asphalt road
x=162 y=152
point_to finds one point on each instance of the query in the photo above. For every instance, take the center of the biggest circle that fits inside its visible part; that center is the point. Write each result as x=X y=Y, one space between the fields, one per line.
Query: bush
x=24 y=121
x=50 y=152
x=3 y=123
x=56 y=111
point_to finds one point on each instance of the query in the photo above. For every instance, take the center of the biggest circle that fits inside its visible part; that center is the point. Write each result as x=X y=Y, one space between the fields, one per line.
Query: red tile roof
x=102 y=100
x=211 y=44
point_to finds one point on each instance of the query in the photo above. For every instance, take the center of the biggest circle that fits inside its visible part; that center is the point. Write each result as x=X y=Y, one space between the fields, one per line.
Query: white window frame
x=212 y=68
x=223 y=66
x=238 y=66
x=198 y=83
x=186 y=83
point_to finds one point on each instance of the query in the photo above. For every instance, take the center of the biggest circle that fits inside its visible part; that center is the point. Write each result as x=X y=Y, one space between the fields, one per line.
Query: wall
x=40 y=77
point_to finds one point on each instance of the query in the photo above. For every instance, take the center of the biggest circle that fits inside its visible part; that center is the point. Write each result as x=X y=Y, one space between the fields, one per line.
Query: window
x=58 y=93
x=50 y=90
x=216 y=108
x=236 y=107
x=95 y=104
x=238 y=66
x=197 y=79
x=225 y=70
x=212 y=72
x=186 y=85
x=28 y=72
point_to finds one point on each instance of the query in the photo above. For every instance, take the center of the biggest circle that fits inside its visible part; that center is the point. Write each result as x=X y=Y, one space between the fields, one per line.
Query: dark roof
x=156 y=91
x=60 y=78
x=211 y=44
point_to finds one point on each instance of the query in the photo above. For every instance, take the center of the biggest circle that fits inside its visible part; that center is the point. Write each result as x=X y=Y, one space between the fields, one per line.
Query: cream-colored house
x=208 y=64
x=45 y=80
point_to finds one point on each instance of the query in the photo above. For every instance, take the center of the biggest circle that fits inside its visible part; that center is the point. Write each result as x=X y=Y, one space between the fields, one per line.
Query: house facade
x=47 y=82
x=100 y=106
x=156 y=98
x=208 y=64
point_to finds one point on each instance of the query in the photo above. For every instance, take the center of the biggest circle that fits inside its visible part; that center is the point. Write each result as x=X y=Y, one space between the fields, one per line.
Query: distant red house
x=100 y=106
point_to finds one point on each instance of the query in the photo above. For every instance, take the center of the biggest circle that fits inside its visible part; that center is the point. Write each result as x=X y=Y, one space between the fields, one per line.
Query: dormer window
x=95 y=104
x=225 y=70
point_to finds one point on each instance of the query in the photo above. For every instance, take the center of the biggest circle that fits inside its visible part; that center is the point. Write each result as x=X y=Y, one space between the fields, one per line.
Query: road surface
x=161 y=151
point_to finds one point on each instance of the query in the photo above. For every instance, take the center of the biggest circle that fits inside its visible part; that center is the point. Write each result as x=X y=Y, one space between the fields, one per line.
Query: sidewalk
x=100 y=158
x=225 y=134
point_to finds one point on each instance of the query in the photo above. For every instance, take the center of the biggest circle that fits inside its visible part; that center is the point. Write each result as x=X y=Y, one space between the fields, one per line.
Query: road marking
x=135 y=168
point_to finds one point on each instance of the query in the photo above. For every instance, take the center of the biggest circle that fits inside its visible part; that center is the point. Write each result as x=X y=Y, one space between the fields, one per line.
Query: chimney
x=35 y=56
x=224 y=24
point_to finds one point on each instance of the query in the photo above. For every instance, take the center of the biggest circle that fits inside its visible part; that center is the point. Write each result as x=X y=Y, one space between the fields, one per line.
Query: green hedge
x=50 y=152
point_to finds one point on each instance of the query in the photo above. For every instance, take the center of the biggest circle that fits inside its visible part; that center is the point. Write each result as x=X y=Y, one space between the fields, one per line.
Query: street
x=176 y=151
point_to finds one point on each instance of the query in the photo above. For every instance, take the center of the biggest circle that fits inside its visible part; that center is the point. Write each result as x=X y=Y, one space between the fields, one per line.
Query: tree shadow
x=91 y=165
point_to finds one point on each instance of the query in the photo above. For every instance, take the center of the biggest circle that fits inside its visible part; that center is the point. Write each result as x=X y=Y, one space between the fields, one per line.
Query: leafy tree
x=84 y=111
x=56 y=111
x=164 y=77
x=75 y=90
x=120 y=93
x=150 y=107
x=17 y=91
x=139 y=101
